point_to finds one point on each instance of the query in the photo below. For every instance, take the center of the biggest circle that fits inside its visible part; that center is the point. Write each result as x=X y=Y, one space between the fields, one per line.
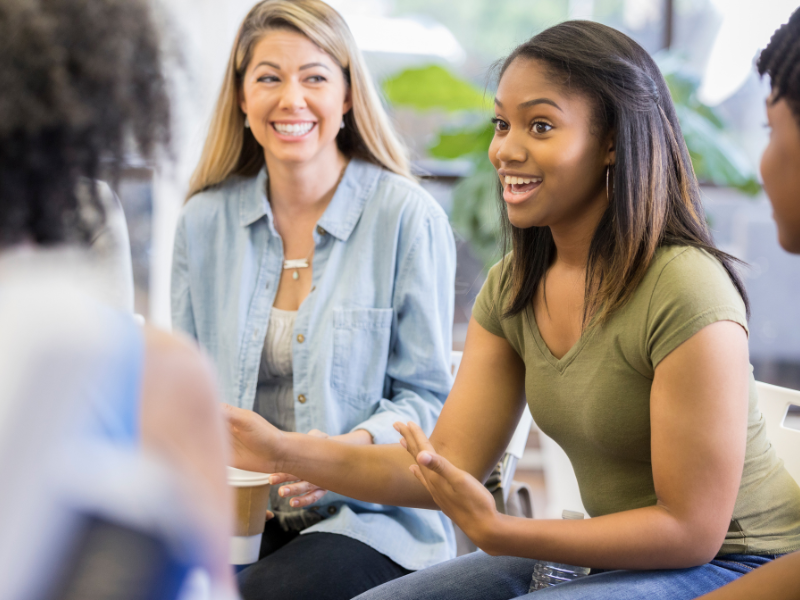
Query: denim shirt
x=371 y=342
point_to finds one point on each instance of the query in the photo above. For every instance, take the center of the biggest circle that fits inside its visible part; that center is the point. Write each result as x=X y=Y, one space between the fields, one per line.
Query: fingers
x=278 y=478
x=420 y=439
x=408 y=441
x=296 y=489
x=318 y=434
x=414 y=439
x=235 y=417
x=439 y=465
x=308 y=499
x=419 y=446
x=270 y=515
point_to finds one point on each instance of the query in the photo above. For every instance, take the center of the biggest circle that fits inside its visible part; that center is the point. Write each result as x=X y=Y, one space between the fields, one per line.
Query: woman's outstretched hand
x=308 y=493
x=255 y=444
x=460 y=496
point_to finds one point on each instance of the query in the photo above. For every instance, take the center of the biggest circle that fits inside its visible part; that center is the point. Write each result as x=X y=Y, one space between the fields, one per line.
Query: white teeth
x=293 y=128
x=510 y=180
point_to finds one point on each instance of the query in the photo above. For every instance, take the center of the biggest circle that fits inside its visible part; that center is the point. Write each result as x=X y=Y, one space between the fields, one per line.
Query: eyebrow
x=308 y=66
x=530 y=103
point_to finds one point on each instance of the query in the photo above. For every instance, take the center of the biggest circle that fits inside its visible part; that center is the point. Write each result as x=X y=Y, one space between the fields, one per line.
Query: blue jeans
x=478 y=576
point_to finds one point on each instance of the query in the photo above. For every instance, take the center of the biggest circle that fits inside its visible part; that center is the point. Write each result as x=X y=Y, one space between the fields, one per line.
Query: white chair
x=774 y=402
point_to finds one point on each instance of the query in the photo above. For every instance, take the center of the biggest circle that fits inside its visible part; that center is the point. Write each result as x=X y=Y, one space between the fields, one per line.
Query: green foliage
x=432 y=87
x=716 y=158
x=463 y=142
x=476 y=214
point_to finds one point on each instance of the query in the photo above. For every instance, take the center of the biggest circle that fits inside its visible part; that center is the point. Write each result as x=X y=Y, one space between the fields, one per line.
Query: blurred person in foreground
x=319 y=276
x=780 y=170
x=112 y=451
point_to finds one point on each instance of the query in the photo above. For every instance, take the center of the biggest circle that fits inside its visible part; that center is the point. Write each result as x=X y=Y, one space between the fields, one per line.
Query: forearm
x=645 y=538
x=371 y=473
x=778 y=580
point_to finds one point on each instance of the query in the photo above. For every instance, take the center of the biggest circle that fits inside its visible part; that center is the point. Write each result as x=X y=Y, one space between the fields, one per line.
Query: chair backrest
x=774 y=402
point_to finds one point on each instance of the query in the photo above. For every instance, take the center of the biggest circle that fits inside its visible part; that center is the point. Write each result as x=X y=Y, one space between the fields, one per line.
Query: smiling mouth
x=293 y=129
x=521 y=185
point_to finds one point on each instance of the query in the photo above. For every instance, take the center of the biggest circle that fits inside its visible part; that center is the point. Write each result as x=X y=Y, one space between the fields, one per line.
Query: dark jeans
x=319 y=566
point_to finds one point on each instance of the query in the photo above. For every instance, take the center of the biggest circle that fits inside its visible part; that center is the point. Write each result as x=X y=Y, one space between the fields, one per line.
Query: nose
x=509 y=150
x=293 y=97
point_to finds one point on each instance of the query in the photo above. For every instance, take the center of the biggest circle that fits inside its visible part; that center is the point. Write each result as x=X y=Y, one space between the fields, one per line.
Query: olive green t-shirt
x=595 y=400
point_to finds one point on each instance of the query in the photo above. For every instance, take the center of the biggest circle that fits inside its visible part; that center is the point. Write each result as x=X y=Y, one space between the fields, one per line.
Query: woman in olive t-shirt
x=625 y=328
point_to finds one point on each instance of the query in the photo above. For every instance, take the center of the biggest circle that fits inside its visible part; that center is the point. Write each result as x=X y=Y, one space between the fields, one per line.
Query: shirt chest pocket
x=361 y=338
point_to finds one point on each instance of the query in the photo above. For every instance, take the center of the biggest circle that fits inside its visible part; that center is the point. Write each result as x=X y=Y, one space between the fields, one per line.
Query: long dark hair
x=781 y=61
x=654 y=197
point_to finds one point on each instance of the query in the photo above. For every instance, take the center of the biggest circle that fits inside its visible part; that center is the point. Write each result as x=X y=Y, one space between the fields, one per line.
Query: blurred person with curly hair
x=82 y=87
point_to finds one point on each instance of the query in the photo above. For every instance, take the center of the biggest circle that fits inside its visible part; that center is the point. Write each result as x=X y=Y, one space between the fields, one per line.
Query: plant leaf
x=432 y=87
x=715 y=158
x=460 y=142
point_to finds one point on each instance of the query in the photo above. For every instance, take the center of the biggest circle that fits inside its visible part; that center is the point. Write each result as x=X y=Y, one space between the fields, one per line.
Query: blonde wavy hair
x=230 y=149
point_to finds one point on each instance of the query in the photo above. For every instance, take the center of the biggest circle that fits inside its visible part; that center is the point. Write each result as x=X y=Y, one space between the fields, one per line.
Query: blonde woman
x=319 y=276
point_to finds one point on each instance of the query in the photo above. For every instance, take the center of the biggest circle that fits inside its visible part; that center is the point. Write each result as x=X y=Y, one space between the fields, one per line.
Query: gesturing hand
x=460 y=496
x=255 y=444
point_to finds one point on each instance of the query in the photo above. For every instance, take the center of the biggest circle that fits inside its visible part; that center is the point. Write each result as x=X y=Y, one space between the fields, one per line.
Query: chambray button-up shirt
x=372 y=340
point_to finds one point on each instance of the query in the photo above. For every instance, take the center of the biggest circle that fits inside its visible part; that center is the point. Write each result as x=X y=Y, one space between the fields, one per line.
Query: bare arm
x=778 y=580
x=476 y=423
x=698 y=420
x=182 y=425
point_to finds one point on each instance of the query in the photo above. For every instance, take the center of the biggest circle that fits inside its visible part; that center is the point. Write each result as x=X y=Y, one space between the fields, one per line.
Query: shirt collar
x=253 y=200
x=339 y=219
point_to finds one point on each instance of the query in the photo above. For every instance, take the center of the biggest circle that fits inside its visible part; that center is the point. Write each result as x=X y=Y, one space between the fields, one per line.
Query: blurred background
x=432 y=60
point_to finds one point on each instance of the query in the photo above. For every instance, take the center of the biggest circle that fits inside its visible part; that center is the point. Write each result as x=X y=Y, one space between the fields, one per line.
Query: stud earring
x=246 y=122
x=341 y=125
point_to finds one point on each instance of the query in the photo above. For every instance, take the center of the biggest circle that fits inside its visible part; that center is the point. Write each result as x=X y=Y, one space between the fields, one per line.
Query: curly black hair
x=81 y=86
x=781 y=61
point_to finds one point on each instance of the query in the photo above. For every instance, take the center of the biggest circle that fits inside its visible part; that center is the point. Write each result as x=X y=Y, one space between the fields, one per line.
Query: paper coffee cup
x=251 y=498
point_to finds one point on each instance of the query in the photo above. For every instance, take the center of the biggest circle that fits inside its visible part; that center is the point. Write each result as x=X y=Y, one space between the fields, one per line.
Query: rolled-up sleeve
x=418 y=368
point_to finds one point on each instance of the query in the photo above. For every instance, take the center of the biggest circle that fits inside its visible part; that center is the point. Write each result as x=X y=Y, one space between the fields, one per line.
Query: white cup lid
x=240 y=478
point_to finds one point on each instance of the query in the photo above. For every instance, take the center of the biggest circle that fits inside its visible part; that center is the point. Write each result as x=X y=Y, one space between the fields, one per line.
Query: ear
x=348 y=101
x=242 y=101
x=610 y=147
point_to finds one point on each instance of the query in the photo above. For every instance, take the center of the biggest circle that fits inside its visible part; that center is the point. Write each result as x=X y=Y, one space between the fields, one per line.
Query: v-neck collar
x=559 y=364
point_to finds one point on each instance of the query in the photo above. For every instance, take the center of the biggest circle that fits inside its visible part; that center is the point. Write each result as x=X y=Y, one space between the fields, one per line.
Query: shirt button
x=331 y=510
x=300 y=339
x=320 y=230
x=301 y=399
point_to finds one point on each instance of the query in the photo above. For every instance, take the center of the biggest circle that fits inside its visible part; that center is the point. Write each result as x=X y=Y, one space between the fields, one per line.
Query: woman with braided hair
x=780 y=169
